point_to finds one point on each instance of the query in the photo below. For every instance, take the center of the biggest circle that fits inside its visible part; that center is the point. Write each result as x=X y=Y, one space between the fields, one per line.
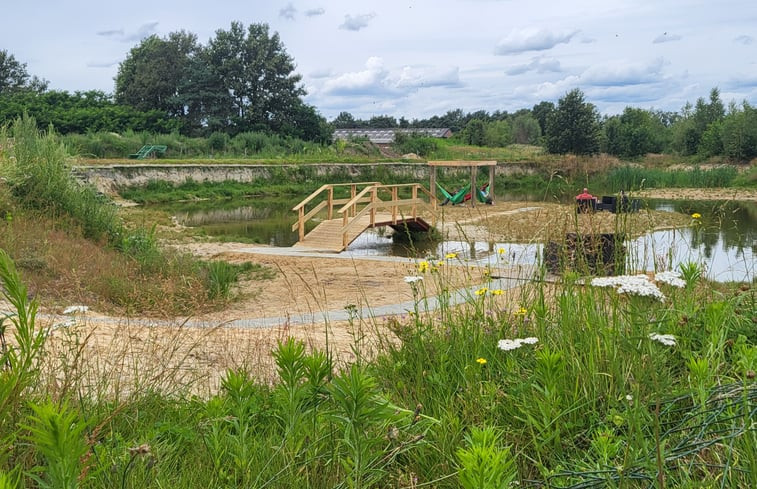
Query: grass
x=72 y=244
x=442 y=399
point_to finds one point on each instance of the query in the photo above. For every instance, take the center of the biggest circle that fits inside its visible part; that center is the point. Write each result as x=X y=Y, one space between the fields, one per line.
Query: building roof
x=385 y=136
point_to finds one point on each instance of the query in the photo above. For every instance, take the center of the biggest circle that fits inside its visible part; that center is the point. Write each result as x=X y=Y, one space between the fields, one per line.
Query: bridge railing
x=330 y=203
x=372 y=199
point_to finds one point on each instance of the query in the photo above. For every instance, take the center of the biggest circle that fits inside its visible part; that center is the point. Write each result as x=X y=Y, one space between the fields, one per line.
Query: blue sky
x=421 y=58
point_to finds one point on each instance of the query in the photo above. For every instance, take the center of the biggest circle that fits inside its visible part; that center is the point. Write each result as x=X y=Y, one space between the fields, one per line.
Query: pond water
x=725 y=243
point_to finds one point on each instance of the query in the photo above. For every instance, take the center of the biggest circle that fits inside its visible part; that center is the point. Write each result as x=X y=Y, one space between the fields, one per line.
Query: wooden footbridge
x=369 y=205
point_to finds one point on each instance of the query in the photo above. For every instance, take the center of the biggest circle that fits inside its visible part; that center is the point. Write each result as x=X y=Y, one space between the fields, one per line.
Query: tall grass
x=629 y=177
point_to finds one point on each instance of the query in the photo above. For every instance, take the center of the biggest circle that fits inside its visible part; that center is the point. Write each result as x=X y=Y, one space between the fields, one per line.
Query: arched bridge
x=369 y=204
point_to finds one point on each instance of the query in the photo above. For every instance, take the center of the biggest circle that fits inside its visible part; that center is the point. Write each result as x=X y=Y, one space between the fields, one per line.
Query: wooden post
x=491 y=182
x=353 y=193
x=432 y=183
x=301 y=223
x=374 y=199
x=331 y=202
x=345 y=221
x=473 y=186
x=394 y=205
x=415 y=197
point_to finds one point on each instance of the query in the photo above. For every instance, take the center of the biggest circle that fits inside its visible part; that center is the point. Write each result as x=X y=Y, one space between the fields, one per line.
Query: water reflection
x=725 y=242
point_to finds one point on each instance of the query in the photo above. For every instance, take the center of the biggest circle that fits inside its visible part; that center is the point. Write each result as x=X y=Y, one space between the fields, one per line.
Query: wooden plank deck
x=327 y=236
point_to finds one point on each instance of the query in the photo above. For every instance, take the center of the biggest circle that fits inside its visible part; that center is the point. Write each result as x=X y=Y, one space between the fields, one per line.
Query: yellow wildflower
x=450 y=256
x=497 y=292
x=481 y=291
x=696 y=215
x=481 y=360
x=522 y=311
x=423 y=267
x=501 y=251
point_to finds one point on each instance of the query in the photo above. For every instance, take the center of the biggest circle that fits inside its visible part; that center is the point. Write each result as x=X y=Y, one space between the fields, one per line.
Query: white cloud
x=744 y=39
x=665 y=37
x=523 y=40
x=424 y=77
x=313 y=12
x=357 y=22
x=621 y=73
x=538 y=65
x=288 y=12
x=368 y=81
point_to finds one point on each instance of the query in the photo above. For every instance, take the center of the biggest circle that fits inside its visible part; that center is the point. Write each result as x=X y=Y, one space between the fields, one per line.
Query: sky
x=419 y=58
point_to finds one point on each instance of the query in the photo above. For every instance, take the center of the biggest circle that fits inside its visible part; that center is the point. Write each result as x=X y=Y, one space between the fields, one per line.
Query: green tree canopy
x=574 y=126
x=634 y=133
x=14 y=77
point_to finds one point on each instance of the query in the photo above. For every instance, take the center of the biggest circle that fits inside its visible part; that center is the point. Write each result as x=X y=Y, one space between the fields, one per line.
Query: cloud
x=538 y=65
x=744 y=39
x=523 y=40
x=357 y=22
x=371 y=80
x=143 y=31
x=112 y=33
x=421 y=77
x=288 y=12
x=313 y=12
x=624 y=74
x=665 y=37
x=320 y=73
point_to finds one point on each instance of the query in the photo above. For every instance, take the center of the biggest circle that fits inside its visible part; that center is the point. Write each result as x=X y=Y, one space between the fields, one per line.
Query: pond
x=725 y=243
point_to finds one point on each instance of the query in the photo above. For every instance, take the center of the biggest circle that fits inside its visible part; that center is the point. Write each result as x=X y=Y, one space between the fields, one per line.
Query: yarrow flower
x=507 y=344
x=665 y=339
x=411 y=279
x=670 y=277
x=481 y=360
x=75 y=309
x=630 y=284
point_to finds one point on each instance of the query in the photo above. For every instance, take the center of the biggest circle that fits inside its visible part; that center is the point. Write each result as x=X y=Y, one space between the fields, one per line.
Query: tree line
x=242 y=81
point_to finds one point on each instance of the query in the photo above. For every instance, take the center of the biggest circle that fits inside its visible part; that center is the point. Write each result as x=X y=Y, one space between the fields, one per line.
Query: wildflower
x=696 y=215
x=630 y=284
x=665 y=339
x=671 y=278
x=481 y=360
x=497 y=292
x=629 y=398
x=481 y=291
x=75 y=309
x=450 y=256
x=423 y=266
x=501 y=251
x=411 y=279
x=522 y=311
x=508 y=345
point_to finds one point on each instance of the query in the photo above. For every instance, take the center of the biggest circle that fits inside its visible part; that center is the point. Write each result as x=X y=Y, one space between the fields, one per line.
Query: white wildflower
x=670 y=277
x=629 y=397
x=411 y=279
x=508 y=345
x=630 y=284
x=75 y=309
x=665 y=339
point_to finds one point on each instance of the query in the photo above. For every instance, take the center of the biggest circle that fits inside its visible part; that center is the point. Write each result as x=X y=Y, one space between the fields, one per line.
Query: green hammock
x=483 y=194
x=455 y=199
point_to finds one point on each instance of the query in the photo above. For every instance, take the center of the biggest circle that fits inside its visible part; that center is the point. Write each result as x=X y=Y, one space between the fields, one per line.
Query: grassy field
x=570 y=381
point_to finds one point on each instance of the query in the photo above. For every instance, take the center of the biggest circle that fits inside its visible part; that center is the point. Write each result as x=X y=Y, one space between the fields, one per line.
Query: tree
x=739 y=133
x=14 y=77
x=382 y=121
x=344 y=120
x=525 y=128
x=542 y=112
x=150 y=76
x=574 y=126
x=475 y=132
x=634 y=133
x=256 y=71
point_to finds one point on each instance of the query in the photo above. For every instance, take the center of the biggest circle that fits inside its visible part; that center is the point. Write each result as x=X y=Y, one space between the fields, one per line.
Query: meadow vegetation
x=72 y=245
